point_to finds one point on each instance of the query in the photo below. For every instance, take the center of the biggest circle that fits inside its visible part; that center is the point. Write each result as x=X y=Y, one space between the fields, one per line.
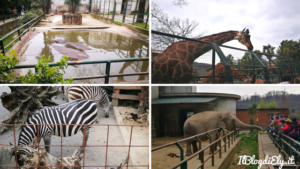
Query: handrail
x=107 y=71
x=2 y=47
x=183 y=162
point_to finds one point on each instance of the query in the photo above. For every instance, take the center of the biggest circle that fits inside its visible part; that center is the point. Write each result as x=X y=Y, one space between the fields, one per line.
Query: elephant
x=209 y=120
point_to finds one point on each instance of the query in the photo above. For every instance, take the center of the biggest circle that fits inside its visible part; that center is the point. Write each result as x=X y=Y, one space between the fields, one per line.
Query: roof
x=198 y=95
x=183 y=100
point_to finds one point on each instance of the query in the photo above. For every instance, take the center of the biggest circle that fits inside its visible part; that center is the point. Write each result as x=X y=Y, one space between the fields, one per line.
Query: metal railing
x=9 y=16
x=286 y=146
x=123 y=12
x=107 y=69
x=61 y=145
x=255 y=67
x=26 y=29
x=229 y=137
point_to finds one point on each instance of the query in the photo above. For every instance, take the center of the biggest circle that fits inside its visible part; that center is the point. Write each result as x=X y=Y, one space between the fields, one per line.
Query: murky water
x=87 y=46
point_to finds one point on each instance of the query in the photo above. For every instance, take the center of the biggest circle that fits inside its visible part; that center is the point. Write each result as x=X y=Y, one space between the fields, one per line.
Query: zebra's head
x=24 y=155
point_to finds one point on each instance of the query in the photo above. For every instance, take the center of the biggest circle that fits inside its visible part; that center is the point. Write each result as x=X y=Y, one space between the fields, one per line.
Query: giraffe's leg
x=47 y=141
x=86 y=136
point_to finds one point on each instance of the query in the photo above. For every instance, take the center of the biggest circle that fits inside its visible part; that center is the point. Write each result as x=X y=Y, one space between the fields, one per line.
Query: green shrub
x=7 y=63
x=33 y=13
x=46 y=74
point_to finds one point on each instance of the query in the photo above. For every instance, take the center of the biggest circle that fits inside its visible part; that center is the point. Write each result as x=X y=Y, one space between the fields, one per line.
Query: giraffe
x=220 y=71
x=177 y=60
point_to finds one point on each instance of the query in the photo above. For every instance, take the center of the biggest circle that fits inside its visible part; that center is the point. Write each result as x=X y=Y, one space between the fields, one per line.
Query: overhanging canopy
x=184 y=100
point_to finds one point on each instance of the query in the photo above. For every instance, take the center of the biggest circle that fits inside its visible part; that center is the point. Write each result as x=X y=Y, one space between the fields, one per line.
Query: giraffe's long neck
x=196 y=49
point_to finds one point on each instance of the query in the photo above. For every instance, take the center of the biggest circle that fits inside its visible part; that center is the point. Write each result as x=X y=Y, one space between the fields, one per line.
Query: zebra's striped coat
x=95 y=93
x=78 y=112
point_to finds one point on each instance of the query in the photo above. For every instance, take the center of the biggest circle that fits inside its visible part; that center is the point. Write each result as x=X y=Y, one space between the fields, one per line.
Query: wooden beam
x=125 y=97
x=128 y=87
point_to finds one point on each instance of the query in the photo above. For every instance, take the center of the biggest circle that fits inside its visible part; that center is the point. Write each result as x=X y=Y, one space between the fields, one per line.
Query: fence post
x=201 y=155
x=108 y=9
x=134 y=11
x=2 y=47
x=124 y=12
x=114 y=11
x=104 y=8
x=107 y=72
x=183 y=165
x=147 y=21
x=213 y=66
x=19 y=34
x=100 y=7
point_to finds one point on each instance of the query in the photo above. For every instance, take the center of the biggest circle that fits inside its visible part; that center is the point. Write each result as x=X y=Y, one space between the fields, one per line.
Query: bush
x=7 y=63
x=46 y=74
x=33 y=13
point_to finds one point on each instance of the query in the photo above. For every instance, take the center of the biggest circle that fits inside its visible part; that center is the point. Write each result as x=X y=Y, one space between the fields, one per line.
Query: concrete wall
x=169 y=118
x=177 y=89
x=8 y=26
x=154 y=93
x=262 y=115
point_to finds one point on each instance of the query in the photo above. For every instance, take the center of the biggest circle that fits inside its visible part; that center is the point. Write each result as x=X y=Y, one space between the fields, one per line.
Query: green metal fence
x=123 y=12
x=268 y=67
x=226 y=138
x=21 y=31
x=107 y=70
x=286 y=146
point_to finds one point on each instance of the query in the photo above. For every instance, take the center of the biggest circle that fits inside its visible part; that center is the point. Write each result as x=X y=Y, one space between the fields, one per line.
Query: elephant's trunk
x=239 y=124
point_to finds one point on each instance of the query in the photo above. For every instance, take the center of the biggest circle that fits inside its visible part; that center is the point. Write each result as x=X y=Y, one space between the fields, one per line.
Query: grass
x=10 y=38
x=247 y=147
x=140 y=25
x=118 y=23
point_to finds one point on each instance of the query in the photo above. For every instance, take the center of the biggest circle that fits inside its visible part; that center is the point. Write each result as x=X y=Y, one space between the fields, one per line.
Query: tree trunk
x=141 y=11
x=24 y=101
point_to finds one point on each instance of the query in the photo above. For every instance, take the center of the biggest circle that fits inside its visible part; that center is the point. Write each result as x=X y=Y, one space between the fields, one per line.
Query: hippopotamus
x=74 y=45
x=71 y=52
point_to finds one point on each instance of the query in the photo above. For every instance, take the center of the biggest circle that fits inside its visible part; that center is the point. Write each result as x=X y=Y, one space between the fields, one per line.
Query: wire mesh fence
x=129 y=12
x=184 y=60
x=105 y=148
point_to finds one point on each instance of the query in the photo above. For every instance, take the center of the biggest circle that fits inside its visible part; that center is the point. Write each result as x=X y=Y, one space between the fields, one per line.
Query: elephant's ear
x=221 y=123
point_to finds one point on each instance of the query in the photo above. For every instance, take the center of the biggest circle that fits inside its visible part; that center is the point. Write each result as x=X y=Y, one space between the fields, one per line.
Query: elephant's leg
x=86 y=136
x=213 y=138
x=188 y=148
x=195 y=148
x=47 y=141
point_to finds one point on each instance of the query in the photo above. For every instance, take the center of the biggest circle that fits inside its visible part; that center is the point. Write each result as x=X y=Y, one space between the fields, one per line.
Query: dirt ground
x=160 y=158
x=140 y=135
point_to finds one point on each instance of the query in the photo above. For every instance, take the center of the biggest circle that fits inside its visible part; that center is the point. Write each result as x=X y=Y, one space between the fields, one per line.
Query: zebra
x=81 y=111
x=88 y=92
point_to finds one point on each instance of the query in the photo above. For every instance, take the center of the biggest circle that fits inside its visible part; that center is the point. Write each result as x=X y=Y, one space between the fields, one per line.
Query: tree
x=141 y=11
x=175 y=26
x=24 y=101
x=230 y=59
x=180 y=3
x=285 y=102
x=72 y=5
x=252 y=109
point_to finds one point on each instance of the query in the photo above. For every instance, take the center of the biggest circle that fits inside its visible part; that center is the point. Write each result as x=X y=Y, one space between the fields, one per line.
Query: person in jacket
x=292 y=131
x=287 y=119
x=286 y=126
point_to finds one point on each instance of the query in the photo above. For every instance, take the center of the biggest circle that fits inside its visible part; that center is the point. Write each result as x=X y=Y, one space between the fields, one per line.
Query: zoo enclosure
x=123 y=12
x=231 y=136
x=61 y=146
x=286 y=145
x=269 y=67
x=24 y=28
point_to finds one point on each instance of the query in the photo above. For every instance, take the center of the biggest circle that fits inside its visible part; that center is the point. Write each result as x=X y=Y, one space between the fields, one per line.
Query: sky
x=269 y=21
x=248 y=90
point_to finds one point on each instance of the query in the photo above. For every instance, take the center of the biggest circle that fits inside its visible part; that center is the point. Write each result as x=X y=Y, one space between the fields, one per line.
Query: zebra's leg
x=86 y=136
x=47 y=141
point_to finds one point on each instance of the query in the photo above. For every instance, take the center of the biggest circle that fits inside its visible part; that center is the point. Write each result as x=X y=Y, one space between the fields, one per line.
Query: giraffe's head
x=244 y=38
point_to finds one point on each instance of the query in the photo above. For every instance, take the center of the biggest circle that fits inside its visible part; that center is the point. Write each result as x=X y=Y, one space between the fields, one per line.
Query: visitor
x=286 y=118
x=286 y=126
x=276 y=126
x=286 y=79
x=15 y=11
x=269 y=122
x=293 y=132
x=22 y=12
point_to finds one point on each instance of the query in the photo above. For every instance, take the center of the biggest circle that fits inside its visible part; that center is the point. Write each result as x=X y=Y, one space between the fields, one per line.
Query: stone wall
x=8 y=26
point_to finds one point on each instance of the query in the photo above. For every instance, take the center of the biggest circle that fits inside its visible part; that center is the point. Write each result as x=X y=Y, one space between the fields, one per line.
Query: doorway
x=183 y=116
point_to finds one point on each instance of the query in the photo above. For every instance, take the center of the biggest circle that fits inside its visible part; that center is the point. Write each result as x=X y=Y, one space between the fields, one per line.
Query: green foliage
x=72 y=4
x=7 y=63
x=79 y=14
x=268 y=49
x=33 y=13
x=139 y=25
x=252 y=109
x=271 y=105
x=230 y=59
x=46 y=74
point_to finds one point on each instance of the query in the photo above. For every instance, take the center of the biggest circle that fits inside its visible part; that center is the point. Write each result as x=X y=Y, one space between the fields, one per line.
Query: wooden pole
x=44 y=12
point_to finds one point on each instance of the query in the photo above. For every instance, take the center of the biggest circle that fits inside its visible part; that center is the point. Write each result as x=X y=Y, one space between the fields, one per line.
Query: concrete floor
x=94 y=156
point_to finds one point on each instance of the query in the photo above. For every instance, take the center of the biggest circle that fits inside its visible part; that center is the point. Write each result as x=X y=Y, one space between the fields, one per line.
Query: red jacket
x=285 y=127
